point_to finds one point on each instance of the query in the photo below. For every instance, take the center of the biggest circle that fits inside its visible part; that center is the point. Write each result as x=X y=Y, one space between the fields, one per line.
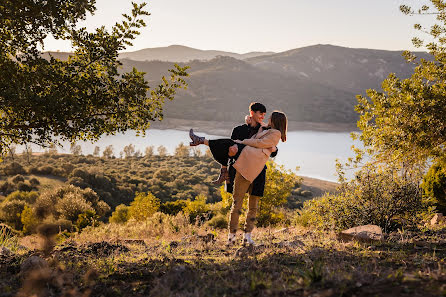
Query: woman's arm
x=270 y=140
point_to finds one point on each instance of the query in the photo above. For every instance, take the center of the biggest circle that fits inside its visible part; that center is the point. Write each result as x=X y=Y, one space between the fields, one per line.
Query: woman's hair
x=280 y=122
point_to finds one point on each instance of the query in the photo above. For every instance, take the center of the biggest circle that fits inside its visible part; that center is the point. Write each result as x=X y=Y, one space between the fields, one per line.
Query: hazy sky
x=263 y=25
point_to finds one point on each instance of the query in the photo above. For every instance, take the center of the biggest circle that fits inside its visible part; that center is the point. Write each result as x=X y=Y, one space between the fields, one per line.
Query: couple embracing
x=243 y=158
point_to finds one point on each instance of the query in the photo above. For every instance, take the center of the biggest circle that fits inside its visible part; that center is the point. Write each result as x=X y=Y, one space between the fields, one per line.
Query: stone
x=437 y=219
x=366 y=233
x=33 y=263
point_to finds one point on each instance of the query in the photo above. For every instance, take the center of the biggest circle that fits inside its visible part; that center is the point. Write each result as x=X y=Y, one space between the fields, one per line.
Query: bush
x=18 y=178
x=197 y=210
x=24 y=187
x=120 y=215
x=29 y=220
x=72 y=205
x=34 y=182
x=220 y=221
x=28 y=197
x=88 y=218
x=143 y=206
x=13 y=169
x=68 y=202
x=376 y=196
x=434 y=184
x=173 y=207
x=11 y=211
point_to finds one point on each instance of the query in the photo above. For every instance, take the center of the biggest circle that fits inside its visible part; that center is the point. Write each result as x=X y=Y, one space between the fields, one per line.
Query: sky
x=263 y=25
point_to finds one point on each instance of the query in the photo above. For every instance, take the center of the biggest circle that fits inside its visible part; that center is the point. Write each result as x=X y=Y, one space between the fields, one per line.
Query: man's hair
x=256 y=106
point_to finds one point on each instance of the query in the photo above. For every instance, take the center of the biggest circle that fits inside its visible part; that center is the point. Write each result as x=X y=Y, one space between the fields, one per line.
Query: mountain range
x=315 y=84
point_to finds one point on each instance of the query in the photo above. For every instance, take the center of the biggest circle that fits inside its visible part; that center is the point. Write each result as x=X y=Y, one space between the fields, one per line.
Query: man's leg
x=241 y=186
x=253 y=206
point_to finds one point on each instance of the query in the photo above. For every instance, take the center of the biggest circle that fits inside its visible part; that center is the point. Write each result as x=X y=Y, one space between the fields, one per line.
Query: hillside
x=315 y=85
x=179 y=53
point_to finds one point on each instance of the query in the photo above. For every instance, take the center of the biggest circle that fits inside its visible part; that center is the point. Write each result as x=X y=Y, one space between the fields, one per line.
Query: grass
x=8 y=240
x=296 y=261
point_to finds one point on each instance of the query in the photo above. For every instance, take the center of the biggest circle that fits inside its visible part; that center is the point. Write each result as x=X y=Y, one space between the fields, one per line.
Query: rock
x=437 y=219
x=367 y=233
x=4 y=251
x=33 y=263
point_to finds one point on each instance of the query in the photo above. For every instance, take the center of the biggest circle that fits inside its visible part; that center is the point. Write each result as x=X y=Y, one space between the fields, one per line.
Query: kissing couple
x=243 y=160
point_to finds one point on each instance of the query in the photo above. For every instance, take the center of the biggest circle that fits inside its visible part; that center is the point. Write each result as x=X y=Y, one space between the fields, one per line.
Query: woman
x=251 y=156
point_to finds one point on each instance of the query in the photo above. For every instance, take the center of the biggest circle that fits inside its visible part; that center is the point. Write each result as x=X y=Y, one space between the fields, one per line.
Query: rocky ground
x=287 y=262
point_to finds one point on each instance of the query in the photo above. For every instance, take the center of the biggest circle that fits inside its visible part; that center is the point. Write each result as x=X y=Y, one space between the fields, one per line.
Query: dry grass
x=149 y=259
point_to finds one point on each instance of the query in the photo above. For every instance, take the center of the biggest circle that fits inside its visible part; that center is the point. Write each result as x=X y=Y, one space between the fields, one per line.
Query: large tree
x=43 y=100
x=406 y=121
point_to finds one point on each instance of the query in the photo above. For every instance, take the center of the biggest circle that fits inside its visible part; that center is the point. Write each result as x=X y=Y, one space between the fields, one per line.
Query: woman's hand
x=248 y=120
x=238 y=141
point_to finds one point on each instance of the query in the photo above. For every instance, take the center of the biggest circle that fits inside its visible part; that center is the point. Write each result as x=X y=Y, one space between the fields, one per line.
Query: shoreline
x=225 y=128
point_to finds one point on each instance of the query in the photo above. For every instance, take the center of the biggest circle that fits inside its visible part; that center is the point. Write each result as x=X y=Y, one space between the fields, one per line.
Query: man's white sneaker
x=231 y=239
x=247 y=239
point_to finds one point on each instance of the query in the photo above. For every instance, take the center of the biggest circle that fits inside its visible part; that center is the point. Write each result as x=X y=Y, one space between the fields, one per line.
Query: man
x=257 y=113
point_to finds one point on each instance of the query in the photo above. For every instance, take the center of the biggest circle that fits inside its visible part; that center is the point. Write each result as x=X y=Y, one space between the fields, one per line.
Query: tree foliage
x=406 y=121
x=44 y=100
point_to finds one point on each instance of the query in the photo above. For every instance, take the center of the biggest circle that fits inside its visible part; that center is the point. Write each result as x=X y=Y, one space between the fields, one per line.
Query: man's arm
x=238 y=133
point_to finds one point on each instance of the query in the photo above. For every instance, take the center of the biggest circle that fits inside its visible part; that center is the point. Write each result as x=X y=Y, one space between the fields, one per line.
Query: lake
x=314 y=152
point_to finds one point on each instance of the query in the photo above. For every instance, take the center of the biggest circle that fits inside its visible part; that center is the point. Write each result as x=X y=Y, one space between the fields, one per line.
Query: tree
x=406 y=121
x=75 y=149
x=96 y=151
x=182 y=150
x=148 y=152
x=162 y=151
x=46 y=100
x=108 y=152
x=129 y=150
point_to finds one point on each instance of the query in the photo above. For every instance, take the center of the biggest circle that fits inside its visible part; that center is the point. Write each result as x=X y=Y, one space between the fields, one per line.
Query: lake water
x=314 y=152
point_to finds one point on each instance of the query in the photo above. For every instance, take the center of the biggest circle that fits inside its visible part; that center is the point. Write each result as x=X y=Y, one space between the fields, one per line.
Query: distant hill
x=349 y=69
x=315 y=84
x=179 y=53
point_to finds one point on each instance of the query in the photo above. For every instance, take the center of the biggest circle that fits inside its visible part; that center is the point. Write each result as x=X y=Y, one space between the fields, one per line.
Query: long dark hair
x=279 y=122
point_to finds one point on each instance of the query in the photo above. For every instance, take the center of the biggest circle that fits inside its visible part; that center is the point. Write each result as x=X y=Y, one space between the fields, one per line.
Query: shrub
x=220 y=221
x=7 y=188
x=88 y=218
x=29 y=220
x=24 y=187
x=72 y=205
x=120 y=215
x=46 y=170
x=143 y=206
x=11 y=212
x=197 y=210
x=173 y=207
x=34 y=182
x=13 y=168
x=434 y=184
x=18 y=178
x=376 y=196
x=68 y=202
x=28 y=197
